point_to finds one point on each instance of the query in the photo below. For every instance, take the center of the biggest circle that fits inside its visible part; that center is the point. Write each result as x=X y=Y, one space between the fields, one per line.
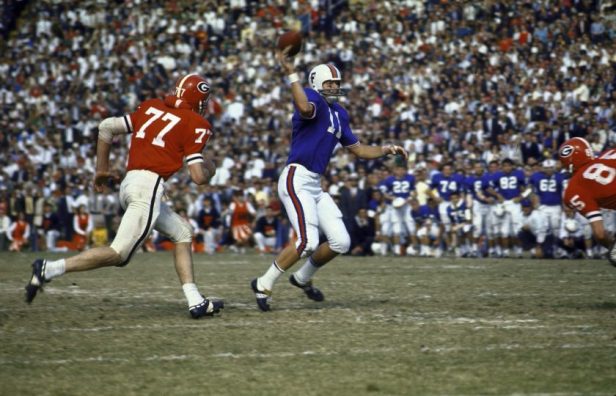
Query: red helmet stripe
x=334 y=71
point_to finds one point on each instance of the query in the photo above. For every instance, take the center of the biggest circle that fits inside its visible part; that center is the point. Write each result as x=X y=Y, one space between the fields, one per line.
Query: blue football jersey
x=457 y=215
x=447 y=185
x=548 y=189
x=509 y=185
x=313 y=139
x=475 y=185
x=425 y=212
x=398 y=187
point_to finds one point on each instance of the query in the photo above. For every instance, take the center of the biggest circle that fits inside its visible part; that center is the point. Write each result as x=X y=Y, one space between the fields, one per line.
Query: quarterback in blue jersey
x=319 y=123
x=397 y=190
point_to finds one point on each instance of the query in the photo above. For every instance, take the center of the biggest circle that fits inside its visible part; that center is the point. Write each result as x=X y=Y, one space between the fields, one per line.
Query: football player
x=446 y=183
x=592 y=186
x=476 y=185
x=547 y=187
x=320 y=123
x=165 y=134
x=397 y=190
x=508 y=186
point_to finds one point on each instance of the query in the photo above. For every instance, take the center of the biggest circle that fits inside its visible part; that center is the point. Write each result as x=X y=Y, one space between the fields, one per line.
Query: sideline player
x=592 y=186
x=164 y=134
x=319 y=124
x=400 y=185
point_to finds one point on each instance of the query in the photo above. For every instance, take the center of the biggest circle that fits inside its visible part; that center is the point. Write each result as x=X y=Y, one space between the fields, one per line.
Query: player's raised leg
x=338 y=242
x=140 y=194
x=297 y=189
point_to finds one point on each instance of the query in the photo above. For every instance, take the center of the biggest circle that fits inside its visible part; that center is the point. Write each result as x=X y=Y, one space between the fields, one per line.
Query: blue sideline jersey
x=475 y=185
x=447 y=185
x=509 y=185
x=458 y=214
x=548 y=189
x=398 y=187
x=313 y=139
x=425 y=212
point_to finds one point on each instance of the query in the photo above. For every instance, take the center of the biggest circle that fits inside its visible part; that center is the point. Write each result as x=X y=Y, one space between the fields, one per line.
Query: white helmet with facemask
x=326 y=72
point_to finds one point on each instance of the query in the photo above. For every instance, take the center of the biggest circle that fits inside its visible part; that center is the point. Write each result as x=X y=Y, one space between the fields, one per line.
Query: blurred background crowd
x=458 y=83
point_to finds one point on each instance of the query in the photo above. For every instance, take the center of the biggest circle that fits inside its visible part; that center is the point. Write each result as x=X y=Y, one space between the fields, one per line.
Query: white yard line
x=294 y=354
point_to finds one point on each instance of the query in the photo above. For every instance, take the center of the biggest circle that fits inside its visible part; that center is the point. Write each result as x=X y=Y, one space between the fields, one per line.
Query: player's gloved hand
x=285 y=61
x=210 y=166
x=611 y=255
x=395 y=150
x=101 y=179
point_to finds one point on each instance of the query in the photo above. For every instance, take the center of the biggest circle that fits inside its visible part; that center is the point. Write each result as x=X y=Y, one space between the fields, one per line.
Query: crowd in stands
x=459 y=83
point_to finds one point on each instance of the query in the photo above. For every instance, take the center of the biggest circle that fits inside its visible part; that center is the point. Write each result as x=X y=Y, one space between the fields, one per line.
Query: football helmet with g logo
x=193 y=90
x=575 y=153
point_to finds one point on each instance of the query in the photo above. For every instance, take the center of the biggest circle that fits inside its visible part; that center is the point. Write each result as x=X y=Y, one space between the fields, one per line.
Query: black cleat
x=311 y=292
x=261 y=296
x=37 y=280
x=206 y=308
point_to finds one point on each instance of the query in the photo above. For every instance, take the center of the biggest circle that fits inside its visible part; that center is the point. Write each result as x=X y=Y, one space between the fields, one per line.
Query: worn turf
x=388 y=326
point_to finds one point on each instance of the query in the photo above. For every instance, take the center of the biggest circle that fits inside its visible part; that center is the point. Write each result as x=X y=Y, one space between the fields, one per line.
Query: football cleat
x=262 y=296
x=37 y=280
x=206 y=308
x=311 y=292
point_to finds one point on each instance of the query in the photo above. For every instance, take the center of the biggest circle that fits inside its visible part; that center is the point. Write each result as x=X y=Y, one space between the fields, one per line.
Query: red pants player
x=592 y=186
x=165 y=134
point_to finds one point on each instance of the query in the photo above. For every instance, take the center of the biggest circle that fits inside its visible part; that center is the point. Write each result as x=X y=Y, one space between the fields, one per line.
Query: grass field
x=389 y=326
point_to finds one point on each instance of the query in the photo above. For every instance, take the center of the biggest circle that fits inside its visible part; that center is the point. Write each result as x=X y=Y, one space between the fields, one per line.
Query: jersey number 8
x=600 y=173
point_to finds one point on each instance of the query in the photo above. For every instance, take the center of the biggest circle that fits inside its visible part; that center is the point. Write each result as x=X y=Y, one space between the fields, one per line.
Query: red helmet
x=194 y=90
x=575 y=153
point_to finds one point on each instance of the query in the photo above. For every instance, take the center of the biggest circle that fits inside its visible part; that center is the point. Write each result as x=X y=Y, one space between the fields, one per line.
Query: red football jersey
x=163 y=136
x=593 y=186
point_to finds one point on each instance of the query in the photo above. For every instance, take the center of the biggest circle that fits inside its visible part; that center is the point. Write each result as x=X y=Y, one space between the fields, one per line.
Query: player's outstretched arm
x=371 y=152
x=107 y=129
x=305 y=108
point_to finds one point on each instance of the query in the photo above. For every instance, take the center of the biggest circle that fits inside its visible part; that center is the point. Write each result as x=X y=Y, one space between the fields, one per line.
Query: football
x=292 y=38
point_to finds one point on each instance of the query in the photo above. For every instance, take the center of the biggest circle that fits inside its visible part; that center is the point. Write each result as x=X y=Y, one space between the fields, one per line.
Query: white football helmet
x=326 y=72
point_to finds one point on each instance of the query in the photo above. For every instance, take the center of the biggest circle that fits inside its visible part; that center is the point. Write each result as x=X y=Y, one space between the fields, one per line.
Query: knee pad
x=183 y=234
x=341 y=244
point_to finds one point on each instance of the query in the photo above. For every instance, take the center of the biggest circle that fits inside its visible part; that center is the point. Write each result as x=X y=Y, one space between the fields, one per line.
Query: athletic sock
x=306 y=272
x=53 y=269
x=266 y=282
x=192 y=294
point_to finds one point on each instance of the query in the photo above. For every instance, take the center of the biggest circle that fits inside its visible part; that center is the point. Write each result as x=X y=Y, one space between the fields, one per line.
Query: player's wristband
x=293 y=78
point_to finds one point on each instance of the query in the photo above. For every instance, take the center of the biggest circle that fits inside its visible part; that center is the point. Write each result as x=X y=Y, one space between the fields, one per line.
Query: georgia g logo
x=203 y=87
x=566 y=151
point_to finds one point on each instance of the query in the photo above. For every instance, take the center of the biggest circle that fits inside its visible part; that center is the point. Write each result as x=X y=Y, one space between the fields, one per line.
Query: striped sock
x=269 y=278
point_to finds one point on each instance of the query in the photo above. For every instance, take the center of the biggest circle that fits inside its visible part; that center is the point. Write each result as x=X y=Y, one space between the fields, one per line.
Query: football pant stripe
x=301 y=220
x=128 y=124
x=146 y=231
